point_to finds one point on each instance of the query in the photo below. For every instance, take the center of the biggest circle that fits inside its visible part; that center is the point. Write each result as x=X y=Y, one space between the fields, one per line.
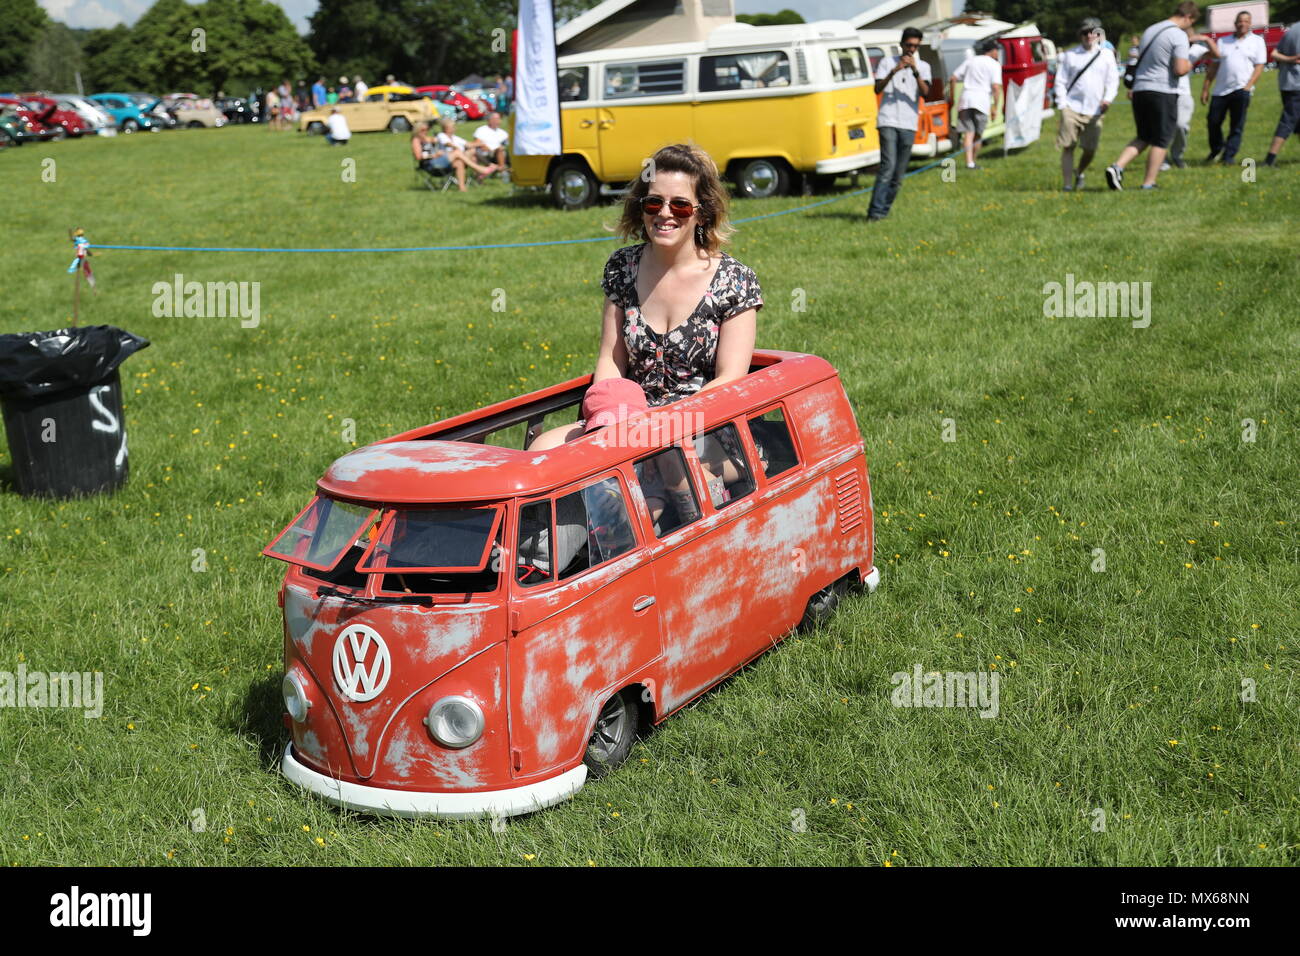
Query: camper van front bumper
x=448 y=806
x=846 y=164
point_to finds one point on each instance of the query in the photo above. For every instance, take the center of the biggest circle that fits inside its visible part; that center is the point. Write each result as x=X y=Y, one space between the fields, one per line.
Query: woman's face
x=663 y=227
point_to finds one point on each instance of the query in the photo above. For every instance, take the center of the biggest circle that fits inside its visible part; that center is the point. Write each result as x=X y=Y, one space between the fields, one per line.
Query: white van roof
x=729 y=36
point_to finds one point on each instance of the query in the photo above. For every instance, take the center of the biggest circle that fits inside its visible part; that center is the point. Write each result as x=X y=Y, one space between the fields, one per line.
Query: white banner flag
x=1024 y=111
x=537 y=95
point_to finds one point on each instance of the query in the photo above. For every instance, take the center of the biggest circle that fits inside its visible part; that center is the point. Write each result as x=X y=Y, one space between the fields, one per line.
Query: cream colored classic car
x=394 y=108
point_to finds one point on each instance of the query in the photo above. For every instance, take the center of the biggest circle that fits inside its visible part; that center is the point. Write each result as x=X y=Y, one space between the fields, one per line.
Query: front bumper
x=413 y=804
x=846 y=164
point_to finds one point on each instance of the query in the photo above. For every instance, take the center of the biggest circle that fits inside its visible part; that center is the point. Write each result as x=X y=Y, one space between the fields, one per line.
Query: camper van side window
x=533 y=556
x=874 y=55
x=644 y=79
x=592 y=526
x=573 y=84
x=744 y=71
x=666 y=486
x=848 y=64
x=725 y=469
x=771 y=434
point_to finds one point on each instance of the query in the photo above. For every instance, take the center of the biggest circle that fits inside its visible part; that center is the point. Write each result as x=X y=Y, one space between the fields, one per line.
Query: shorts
x=436 y=164
x=972 y=121
x=1290 y=114
x=1076 y=129
x=1156 y=117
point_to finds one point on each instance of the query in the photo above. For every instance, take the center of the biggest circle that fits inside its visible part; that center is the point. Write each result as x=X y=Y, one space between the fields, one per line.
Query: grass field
x=1121 y=688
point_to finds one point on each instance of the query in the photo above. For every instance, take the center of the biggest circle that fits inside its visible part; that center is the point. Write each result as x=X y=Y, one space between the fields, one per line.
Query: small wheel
x=59 y=133
x=315 y=128
x=616 y=730
x=823 y=604
x=399 y=124
x=129 y=126
x=573 y=186
x=761 y=178
x=194 y=124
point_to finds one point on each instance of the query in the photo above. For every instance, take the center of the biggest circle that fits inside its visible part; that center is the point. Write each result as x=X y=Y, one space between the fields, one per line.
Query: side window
x=644 y=79
x=728 y=474
x=847 y=64
x=874 y=55
x=573 y=84
x=744 y=71
x=771 y=436
x=667 y=489
x=533 y=558
x=592 y=526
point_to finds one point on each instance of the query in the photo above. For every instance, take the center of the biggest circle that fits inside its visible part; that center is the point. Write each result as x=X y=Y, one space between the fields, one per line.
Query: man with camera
x=1087 y=79
x=904 y=80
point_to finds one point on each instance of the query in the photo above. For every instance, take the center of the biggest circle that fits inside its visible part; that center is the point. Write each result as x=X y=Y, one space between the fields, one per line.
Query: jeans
x=1234 y=105
x=895 y=153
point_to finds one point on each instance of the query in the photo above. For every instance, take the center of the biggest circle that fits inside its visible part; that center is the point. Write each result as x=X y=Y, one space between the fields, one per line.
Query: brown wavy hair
x=712 y=228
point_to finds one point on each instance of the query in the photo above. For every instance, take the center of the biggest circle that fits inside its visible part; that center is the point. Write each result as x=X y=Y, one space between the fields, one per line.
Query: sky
x=107 y=13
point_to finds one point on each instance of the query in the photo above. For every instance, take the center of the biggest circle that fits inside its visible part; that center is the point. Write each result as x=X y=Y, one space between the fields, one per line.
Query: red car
x=467 y=106
x=470 y=627
x=48 y=112
x=37 y=129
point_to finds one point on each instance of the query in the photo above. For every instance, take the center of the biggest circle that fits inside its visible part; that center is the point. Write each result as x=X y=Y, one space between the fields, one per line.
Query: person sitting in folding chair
x=431 y=165
x=455 y=149
x=490 y=143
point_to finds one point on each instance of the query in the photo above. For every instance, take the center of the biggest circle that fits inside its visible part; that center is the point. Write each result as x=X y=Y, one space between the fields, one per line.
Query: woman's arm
x=416 y=148
x=735 y=348
x=611 y=360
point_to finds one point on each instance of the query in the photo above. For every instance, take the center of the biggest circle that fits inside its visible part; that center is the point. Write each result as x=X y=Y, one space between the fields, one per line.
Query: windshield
x=318 y=537
x=433 y=539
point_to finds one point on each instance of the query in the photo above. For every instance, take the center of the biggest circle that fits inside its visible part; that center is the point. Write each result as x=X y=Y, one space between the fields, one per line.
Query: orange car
x=471 y=629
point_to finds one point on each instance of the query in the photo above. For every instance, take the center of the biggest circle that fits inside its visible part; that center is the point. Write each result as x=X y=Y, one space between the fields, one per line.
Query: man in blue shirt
x=318 y=92
x=1287 y=56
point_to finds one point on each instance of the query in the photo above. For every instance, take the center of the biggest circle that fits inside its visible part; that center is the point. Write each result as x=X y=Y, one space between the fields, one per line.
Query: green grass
x=1072 y=434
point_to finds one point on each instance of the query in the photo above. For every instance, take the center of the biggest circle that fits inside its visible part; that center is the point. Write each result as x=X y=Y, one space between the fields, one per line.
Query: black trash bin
x=62 y=400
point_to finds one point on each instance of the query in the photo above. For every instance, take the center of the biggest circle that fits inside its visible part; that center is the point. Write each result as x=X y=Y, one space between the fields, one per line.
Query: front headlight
x=455 y=722
x=296 y=701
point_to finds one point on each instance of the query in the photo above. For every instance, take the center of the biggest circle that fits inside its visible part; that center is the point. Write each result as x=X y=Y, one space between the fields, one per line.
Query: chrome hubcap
x=761 y=179
x=610 y=729
x=574 y=187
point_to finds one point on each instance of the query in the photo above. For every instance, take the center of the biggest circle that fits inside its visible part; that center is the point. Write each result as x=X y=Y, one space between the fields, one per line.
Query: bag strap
x=1142 y=54
x=1081 y=72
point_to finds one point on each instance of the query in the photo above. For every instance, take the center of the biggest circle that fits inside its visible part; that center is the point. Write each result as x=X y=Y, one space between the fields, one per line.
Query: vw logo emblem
x=361 y=663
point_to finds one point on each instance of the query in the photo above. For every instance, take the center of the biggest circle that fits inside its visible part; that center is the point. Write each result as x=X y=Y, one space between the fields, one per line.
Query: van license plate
x=857 y=132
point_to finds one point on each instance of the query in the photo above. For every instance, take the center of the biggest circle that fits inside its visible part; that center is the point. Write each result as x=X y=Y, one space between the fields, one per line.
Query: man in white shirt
x=1087 y=80
x=490 y=141
x=903 y=82
x=336 y=128
x=359 y=89
x=1162 y=59
x=1186 y=105
x=1241 y=58
x=981 y=79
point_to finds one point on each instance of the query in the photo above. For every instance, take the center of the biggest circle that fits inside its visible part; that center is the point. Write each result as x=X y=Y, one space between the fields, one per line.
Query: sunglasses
x=650 y=206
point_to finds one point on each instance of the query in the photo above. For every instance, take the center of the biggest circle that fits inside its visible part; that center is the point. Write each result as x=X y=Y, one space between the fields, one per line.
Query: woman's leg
x=555 y=437
x=459 y=166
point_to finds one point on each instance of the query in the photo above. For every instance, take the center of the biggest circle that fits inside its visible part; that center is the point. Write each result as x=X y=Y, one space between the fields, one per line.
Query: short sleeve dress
x=674 y=366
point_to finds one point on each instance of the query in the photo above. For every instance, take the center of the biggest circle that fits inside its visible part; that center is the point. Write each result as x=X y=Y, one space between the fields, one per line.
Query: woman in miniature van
x=680 y=314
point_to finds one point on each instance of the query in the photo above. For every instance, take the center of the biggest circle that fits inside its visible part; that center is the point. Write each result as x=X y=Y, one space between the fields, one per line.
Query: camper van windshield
x=433 y=539
x=320 y=535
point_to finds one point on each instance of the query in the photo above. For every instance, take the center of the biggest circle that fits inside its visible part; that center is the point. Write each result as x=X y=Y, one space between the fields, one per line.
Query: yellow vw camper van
x=770 y=105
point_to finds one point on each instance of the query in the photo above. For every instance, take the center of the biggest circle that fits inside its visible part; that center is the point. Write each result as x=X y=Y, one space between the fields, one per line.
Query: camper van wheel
x=573 y=186
x=616 y=730
x=399 y=124
x=761 y=178
x=823 y=604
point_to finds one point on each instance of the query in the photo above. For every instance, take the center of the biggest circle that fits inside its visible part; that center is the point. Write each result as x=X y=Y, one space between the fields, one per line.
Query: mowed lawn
x=1121 y=688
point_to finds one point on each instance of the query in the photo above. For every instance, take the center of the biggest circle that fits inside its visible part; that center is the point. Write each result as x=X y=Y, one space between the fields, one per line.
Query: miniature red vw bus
x=471 y=628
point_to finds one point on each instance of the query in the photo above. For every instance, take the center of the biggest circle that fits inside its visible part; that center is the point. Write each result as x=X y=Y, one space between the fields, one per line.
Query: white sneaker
x=1164 y=166
x=1078 y=181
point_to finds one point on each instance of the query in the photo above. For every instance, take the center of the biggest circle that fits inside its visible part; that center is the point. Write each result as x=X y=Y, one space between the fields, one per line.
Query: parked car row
x=38 y=117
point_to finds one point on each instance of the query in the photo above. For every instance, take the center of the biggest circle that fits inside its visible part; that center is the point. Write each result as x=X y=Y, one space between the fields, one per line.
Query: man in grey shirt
x=1287 y=55
x=1162 y=59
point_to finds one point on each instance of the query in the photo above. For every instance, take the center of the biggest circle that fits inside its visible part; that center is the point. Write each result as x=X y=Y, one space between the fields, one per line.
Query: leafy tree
x=770 y=19
x=168 y=53
x=22 y=21
x=54 y=60
x=251 y=43
x=110 y=61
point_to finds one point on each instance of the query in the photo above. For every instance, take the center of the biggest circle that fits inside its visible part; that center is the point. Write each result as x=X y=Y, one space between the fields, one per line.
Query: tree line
x=237 y=45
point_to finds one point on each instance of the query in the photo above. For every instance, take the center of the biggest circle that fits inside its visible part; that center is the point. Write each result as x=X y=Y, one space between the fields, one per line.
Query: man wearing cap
x=1087 y=79
x=1241 y=59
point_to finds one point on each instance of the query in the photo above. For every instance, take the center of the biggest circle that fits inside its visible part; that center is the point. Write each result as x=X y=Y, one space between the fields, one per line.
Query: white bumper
x=873 y=579
x=847 y=164
x=448 y=806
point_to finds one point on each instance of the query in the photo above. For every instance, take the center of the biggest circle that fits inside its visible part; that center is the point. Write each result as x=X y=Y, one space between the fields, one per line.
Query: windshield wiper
x=423 y=599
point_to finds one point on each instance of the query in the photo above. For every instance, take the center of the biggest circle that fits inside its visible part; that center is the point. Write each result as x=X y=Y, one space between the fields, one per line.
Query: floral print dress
x=679 y=364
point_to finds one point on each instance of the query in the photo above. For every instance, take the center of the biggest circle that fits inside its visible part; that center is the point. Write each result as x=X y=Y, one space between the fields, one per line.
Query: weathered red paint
x=541 y=661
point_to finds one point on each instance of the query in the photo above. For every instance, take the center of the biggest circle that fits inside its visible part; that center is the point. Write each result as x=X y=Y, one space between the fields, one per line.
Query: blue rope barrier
x=490 y=245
